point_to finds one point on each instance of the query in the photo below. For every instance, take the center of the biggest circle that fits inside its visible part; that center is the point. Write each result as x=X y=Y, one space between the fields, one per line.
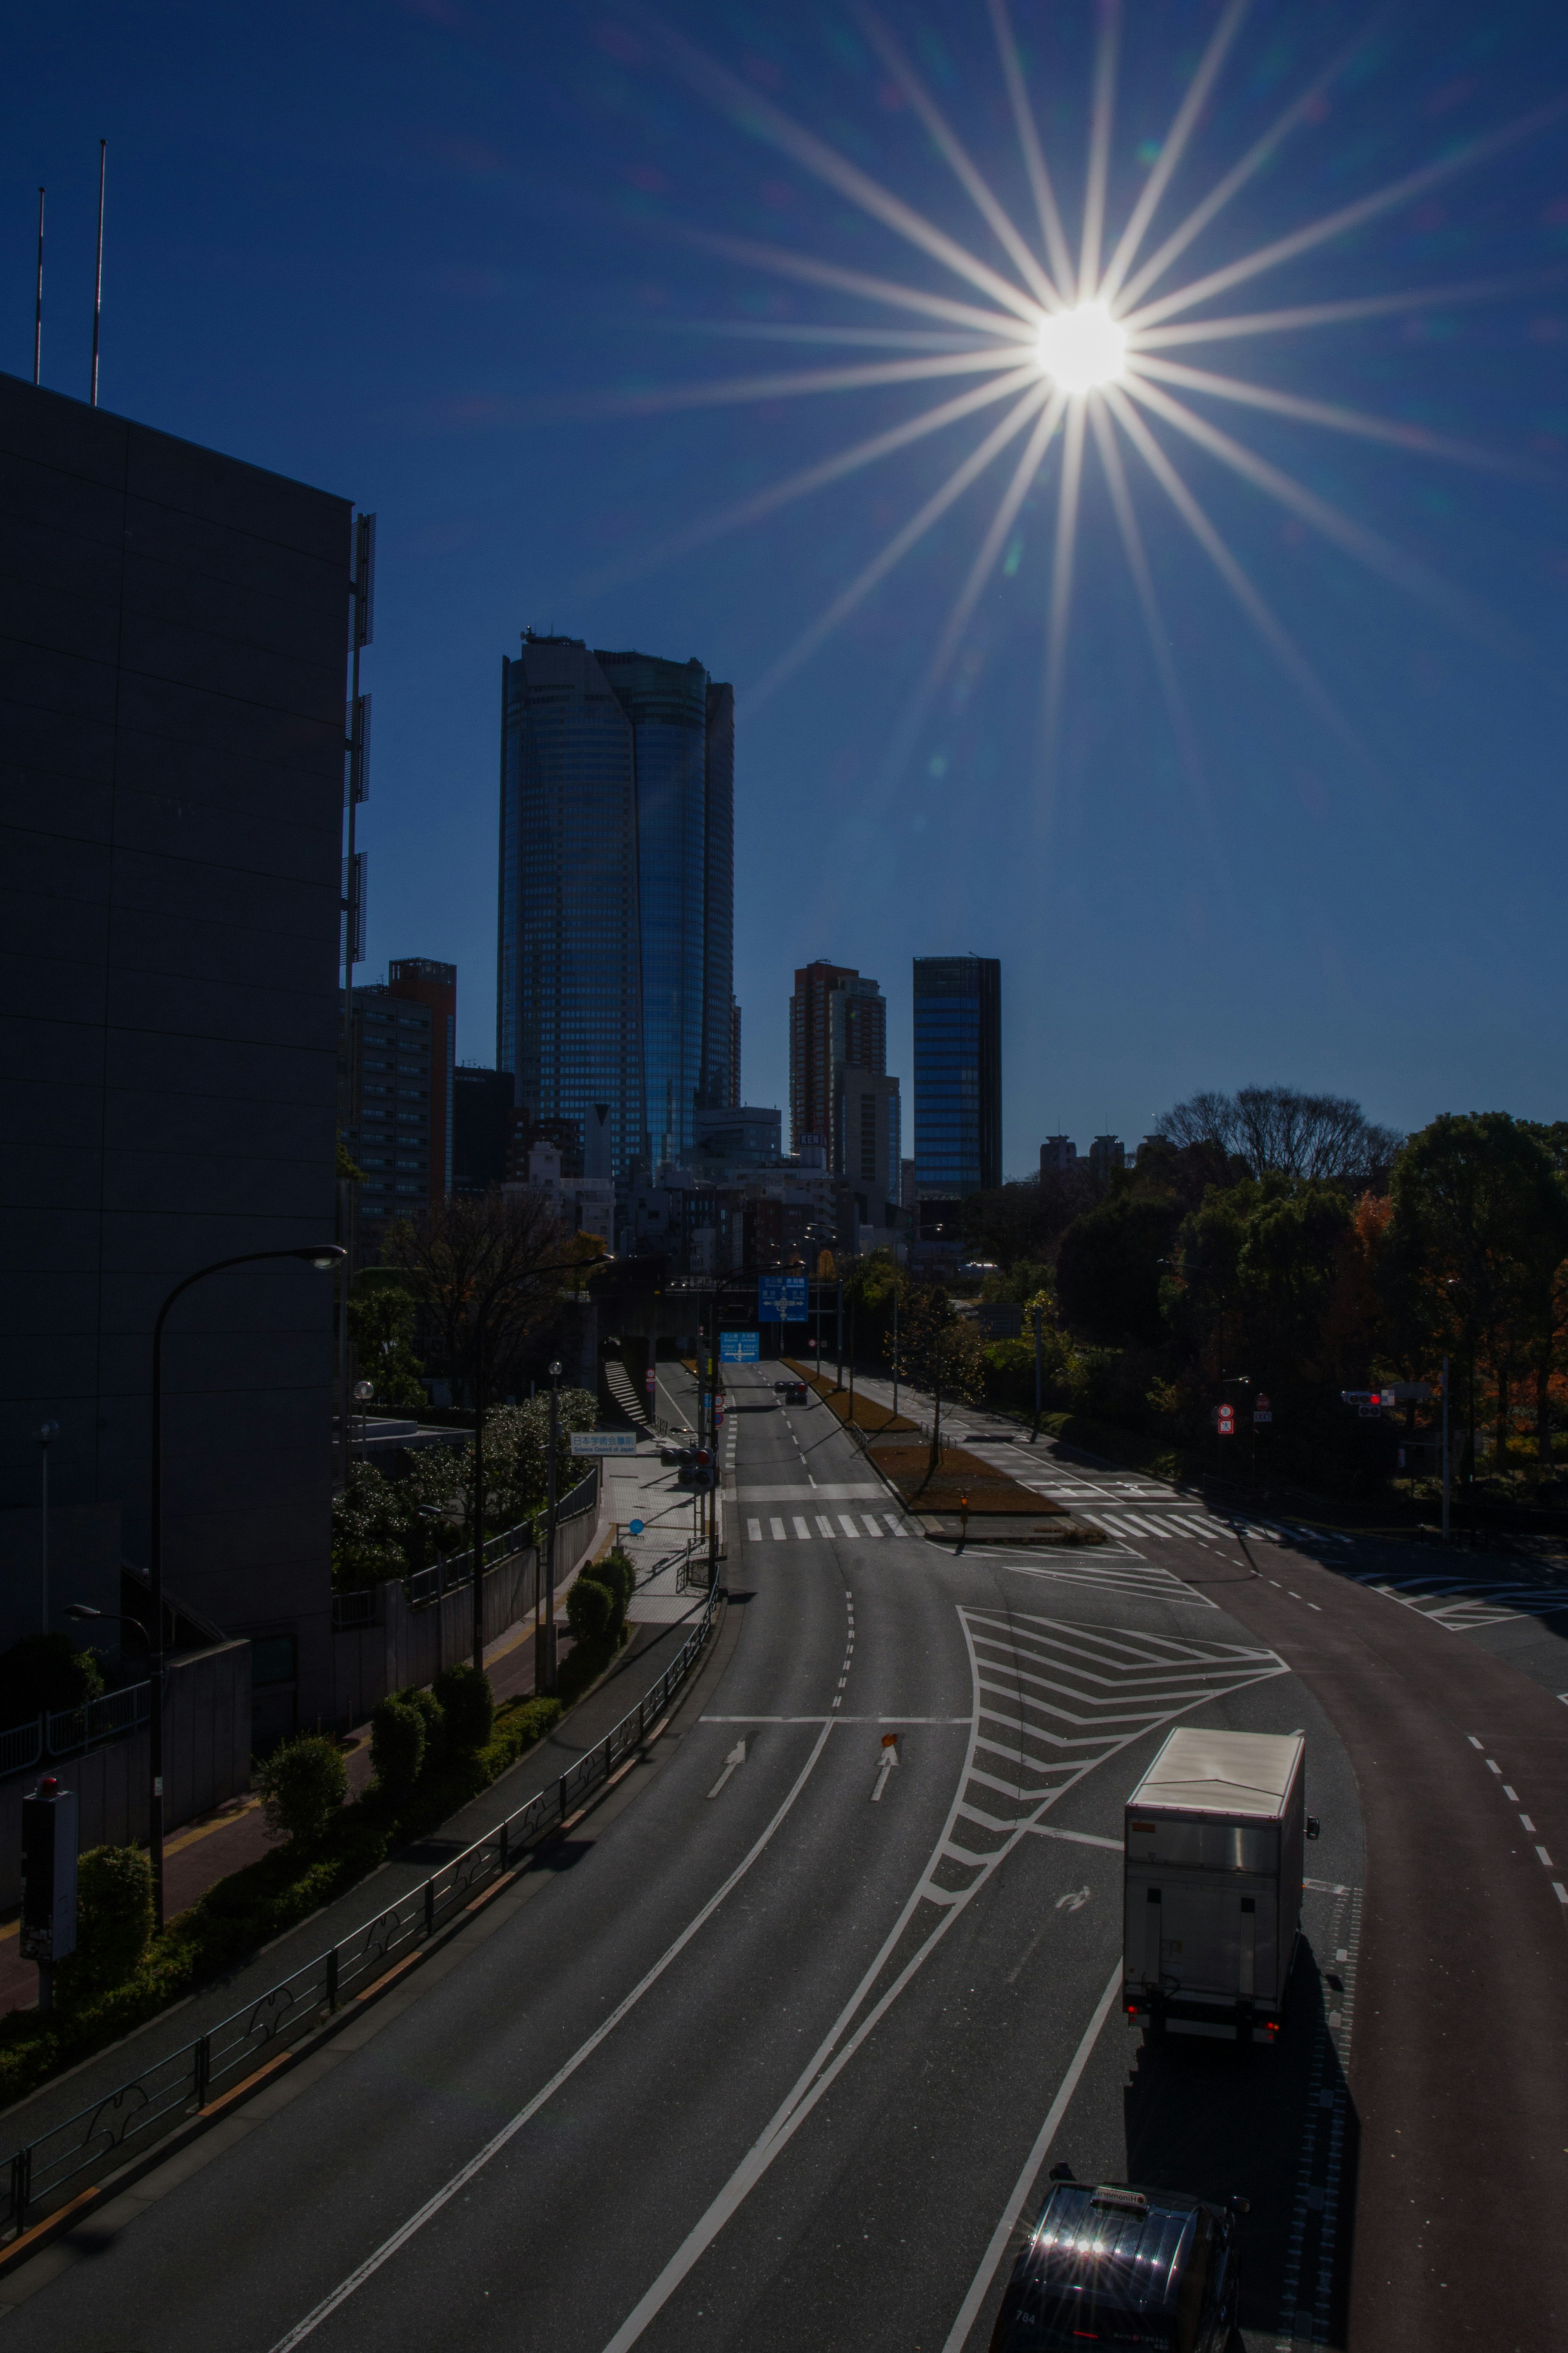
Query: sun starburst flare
x=1077 y=351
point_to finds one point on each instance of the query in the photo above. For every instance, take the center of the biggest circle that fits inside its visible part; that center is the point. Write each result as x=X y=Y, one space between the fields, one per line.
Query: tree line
x=1281 y=1244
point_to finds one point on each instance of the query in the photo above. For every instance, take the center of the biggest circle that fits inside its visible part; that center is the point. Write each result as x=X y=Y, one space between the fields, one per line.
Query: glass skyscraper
x=958 y=1084
x=617 y=920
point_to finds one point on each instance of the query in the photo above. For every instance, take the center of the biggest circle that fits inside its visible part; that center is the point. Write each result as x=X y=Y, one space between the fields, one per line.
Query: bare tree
x=1286 y=1132
x=486 y=1272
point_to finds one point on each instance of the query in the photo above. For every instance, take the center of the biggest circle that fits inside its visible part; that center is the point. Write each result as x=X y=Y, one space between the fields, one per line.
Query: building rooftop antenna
x=38 y=299
x=98 y=281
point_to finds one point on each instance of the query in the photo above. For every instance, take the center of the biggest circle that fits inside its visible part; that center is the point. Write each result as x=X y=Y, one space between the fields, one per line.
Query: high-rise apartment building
x=615 y=935
x=1059 y=1155
x=419 y=980
x=869 y=1128
x=389 y=1130
x=176 y=630
x=481 y=1121
x=838 y=1023
x=958 y=1085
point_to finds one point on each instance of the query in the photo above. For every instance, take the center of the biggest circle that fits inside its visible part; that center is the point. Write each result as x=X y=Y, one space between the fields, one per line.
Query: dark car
x=1114 y=2266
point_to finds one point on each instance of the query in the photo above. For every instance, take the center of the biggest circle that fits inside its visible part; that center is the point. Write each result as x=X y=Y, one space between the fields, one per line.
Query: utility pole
x=38 y=298
x=48 y=1431
x=1445 y=1449
x=544 y=1637
x=839 y=1382
x=1035 y=1433
x=362 y=589
x=713 y=1440
x=895 y=1339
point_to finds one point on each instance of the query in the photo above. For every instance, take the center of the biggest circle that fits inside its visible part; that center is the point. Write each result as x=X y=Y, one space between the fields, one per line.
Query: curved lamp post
x=322 y=1256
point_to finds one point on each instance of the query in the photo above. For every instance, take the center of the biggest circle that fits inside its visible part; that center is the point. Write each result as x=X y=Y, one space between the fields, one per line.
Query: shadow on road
x=1276 y=2127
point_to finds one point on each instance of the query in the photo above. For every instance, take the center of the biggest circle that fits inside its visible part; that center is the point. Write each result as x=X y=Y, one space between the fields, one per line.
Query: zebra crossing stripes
x=1463 y=1604
x=1124 y=1573
x=1052 y=1702
x=855 y=1527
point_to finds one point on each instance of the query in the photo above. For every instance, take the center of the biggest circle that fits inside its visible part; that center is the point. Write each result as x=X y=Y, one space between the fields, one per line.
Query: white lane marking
x=1512 y=1795
x=869 y=1525
x=1545 y=1858
x=1493 y=1767
x=1074 y=1900
x=737 y=1757
x=894 y=1529
x=890 y=1759
x=1474 y=1742
x=1077 y=1837
x=1560 y=1891
x=476 y=2164
x=801 y=1529
x=776 y=1529
x=823 y=1521
x=754 y=1530
x=847 y=1524
x=990 y=2261
x=1529 y=1825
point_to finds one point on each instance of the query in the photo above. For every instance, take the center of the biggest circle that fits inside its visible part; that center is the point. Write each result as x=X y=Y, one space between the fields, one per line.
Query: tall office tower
x=958 y=1086
x=838 y=1022
x=1058 y=1155
x=172 y=778
x=418 y=980
x=616 y=951
x=481 y=1121
x=869 y=1129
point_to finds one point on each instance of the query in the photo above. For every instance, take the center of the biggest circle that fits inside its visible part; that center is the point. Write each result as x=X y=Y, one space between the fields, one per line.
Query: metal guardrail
x=357 y=1606
x=79 y=2153
x=67 y=1731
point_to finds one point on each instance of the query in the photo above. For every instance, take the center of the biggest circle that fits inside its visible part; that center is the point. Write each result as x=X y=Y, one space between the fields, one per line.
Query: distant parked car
x=1113 y=2265
x=795 y=1393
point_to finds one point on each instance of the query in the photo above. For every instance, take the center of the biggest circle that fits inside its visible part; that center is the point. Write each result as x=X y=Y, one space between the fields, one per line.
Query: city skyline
x=1372 y=932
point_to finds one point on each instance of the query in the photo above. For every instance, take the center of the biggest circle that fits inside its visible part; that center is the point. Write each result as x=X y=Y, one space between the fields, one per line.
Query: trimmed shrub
x=590 y=1610
x=469 y=1707
x=113 y=1919
x=435 y=1716
x=303 y=1784
x=616 y=1571
x=398 y=1744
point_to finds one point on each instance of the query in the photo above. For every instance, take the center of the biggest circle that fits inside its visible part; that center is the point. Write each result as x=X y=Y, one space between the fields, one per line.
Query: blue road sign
x=634 y=1527
x=781 y=1299
x=739 y=1347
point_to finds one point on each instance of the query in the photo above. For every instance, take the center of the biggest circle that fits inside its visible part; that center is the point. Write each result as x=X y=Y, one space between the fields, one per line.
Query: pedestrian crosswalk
x=1053 y=1700
x=813 y=1527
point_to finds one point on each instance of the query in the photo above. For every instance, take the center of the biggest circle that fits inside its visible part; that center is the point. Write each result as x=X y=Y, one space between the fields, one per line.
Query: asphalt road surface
x=780 y=2046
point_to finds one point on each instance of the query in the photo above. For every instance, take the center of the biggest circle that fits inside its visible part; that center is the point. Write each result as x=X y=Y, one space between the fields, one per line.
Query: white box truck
x=1212 y=1883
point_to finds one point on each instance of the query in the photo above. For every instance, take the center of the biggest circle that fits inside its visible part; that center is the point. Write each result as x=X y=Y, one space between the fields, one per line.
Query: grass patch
x=252 y=1906
x=1130 y=1448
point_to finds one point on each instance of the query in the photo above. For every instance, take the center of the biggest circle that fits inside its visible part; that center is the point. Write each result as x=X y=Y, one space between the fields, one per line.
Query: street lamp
x=323 y=1256
x=544 y=1645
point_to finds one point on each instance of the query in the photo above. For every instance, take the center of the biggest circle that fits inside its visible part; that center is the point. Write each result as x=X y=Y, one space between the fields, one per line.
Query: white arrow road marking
x=889 y=1759
x=1074 y=1900
x=737 y=1757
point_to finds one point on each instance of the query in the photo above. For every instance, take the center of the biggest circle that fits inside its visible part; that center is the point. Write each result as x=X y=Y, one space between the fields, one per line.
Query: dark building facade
x=482 y=1102
x=421 y=980
x=958 y=1086
x=616 y=916
x=390 y=1129
x=171 y=667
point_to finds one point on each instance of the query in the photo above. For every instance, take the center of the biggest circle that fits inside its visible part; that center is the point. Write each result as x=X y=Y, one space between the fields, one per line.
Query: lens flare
x=1081 y=348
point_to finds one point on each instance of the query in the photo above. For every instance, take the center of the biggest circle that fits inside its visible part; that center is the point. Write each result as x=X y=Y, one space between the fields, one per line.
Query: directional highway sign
x=781 y=1299
x=739 y=1347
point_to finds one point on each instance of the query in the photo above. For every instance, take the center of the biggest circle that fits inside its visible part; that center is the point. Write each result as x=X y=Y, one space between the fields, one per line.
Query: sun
x=1081 y=348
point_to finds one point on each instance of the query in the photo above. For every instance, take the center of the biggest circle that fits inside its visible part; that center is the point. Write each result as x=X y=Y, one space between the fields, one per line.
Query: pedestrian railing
x=427 y=1584
x=76 y=2155
x=67 y=1731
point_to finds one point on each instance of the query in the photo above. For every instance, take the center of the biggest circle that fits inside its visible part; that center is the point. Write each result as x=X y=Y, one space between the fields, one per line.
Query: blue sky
x=442 y=257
